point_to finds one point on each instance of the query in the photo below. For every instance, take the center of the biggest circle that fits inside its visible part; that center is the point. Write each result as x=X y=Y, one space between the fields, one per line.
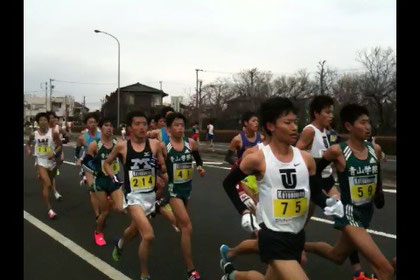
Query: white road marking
x=389 y=235
x=76 y=249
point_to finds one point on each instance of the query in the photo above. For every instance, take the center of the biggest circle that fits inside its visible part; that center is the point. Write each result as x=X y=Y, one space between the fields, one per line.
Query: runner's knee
x=148 y=236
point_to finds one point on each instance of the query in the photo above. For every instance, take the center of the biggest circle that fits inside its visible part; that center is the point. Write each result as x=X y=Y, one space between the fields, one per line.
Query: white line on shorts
x=76 y=249
x=393 y=236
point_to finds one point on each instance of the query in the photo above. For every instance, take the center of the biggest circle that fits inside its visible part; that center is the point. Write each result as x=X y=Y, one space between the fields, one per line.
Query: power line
x=84 y=83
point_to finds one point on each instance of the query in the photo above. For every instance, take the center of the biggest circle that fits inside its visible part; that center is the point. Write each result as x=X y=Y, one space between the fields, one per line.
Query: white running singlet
x=319 y=145
x=284 y=193
x=44 y=144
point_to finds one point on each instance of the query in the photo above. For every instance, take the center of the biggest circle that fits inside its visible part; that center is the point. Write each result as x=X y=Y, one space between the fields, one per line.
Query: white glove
x=334 y=207
x=249 y=223
x=249 y=203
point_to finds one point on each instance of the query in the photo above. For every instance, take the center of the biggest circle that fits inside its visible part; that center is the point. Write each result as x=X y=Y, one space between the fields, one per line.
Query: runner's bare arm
x=116 y=151
x=161 y=159
x=306 y=138
x=79 y=146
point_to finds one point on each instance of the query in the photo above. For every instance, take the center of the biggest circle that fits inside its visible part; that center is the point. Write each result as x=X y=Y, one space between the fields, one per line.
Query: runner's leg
x=46 y=185
x=286 y=270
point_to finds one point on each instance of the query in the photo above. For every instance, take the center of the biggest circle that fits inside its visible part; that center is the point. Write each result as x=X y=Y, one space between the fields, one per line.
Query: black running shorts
x=275 y=245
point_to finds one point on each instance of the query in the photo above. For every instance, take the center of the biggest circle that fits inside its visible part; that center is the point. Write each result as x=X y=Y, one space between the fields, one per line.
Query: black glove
x=379 y=199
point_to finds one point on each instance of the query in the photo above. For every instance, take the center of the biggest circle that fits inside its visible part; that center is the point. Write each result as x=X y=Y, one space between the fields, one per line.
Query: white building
x=176 y=103
x=62 y=106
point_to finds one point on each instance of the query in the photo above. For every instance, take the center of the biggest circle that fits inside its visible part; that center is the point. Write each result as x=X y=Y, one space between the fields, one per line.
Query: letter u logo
x=288 y=178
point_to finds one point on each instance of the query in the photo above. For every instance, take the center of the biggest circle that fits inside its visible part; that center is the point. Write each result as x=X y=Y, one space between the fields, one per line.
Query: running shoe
x=360 y=275
x=83 y=181
x=99 y=238
x=227 y=269
x=193 y=275
x=58 y=172
x=176 y=228
x=117 y=252
x=223 y=253
x=51 y=214
x=146 y=277
x=58 y=196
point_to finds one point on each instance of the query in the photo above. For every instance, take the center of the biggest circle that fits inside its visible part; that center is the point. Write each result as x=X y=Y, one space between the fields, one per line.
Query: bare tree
x=326 y=78
x=378 y=83
x=298 y=86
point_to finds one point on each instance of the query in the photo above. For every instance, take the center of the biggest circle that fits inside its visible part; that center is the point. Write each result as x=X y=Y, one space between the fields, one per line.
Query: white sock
x=120 y=243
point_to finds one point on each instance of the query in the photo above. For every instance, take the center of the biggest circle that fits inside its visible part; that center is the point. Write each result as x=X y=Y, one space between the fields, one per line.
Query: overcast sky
x=166 y=40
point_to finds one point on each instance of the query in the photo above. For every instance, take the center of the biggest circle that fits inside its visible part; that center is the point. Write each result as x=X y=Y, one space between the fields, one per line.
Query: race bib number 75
x=289 y=204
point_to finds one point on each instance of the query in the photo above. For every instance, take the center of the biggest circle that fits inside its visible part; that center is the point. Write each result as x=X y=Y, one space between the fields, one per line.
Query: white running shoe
x=58 y=196
x=51 y=214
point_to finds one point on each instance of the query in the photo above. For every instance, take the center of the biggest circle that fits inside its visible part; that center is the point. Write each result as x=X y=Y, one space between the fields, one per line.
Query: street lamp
x=118 y=91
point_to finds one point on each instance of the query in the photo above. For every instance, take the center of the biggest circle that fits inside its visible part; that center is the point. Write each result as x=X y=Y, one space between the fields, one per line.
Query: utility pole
x=197 y=98
x=51 y=88
x=321 y=77
x=84 y=106
x=46 y=96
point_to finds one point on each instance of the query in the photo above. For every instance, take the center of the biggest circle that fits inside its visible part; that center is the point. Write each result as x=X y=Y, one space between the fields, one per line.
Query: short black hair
x=91 y=115
x=133 y=114
x=171 y=117
x=247 y=116
x=49 y=113
x=104 y=121
x=157 y=117
x=351 y=112
x=40 y=115
x=273 y=108
x=318 y=103
x=166 y=110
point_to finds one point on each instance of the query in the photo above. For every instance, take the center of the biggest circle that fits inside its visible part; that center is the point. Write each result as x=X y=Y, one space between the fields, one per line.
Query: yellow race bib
x=141 y=180
x=362 y=189
x=183 y=172
x=43 y=150
x=289 y=203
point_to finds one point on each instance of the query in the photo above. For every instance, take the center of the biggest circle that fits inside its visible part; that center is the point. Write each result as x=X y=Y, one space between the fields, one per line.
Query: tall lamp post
x=118 y=90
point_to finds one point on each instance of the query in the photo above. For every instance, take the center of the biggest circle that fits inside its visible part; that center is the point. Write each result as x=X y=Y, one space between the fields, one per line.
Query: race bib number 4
x=289 y=204
x=362 y=189
x=183 y=172
x=141 y=180
x=43 y=150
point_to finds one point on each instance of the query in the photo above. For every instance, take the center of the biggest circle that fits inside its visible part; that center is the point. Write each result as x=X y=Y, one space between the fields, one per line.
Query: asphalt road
x=215 y=221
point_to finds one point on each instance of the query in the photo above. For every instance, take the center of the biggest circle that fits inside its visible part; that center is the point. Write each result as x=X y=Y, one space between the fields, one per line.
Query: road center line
x=76 y=249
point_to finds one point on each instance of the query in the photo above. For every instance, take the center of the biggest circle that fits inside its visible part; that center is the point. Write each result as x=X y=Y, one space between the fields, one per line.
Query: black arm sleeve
x=77 y=152
x=229 y=184
x=197 y=158
x=317 y=196
x=229 y=157
x=87 y=163
x=379 y=198
x=321 y=164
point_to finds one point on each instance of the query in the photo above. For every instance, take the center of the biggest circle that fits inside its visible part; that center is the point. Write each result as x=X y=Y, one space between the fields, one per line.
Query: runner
x=103 y=186
x=47 y=145
x=139 y=156
x=59 y=158
x=247 y=138
x=92 y=134
x=210 y=135
x=358 y=166
x=161 y=132
x=287 y=181
x=180 y=152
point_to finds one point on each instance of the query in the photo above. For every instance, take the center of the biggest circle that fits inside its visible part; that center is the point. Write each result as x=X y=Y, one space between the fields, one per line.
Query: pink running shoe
x=99 y=238
x=51 y=214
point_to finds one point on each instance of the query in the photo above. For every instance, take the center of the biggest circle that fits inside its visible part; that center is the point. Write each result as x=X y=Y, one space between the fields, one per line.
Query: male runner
x=247 y=138
x=92 y=134
x=59 y=158
x=314 y=139
x=287 y=181
x=180 y=151
x=47 y=145
x=161 y=132
x=140 y=157
x=358 y=167
x=103 y=186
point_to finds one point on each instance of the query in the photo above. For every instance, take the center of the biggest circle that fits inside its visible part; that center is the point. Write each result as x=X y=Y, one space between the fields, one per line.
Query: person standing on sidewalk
x=210 y=135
